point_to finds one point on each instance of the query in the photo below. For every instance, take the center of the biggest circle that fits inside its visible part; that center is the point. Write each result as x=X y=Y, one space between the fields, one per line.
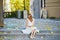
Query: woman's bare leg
x=33 y=33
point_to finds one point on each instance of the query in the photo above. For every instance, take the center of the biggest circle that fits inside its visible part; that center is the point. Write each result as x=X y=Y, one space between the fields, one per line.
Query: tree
x=19 y=5
x=16 y=5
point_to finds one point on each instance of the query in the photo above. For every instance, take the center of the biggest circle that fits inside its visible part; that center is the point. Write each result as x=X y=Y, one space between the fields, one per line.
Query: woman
x=30 y=29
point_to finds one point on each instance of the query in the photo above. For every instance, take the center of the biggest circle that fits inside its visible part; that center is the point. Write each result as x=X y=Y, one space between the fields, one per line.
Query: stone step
x=19 y=31
x=14 y=34
x=21 y=34
x=37 y=37
x=49 y=29
x=39 y=23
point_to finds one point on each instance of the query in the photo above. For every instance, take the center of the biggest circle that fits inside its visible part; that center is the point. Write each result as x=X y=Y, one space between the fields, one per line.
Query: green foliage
x=13 y=15
x=19 y=5
x=16 y=5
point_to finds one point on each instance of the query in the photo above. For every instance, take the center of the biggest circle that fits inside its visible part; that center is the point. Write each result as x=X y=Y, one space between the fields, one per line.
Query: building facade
x=35 y=7
x=51 y=6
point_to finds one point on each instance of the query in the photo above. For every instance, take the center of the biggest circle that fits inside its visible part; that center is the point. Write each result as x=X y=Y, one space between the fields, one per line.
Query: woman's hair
x=29 y=14
x=30 y=17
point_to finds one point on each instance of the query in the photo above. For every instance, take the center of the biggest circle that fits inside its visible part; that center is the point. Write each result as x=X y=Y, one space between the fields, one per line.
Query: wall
x=53 y=7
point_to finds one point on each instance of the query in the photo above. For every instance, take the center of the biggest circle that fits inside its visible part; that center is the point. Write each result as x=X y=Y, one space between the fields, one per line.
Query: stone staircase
x=49 y=29
x=14 y=34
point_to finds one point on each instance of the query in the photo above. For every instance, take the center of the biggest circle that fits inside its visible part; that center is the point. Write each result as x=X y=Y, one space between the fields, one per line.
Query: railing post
x=25 y=14
x=19 y=14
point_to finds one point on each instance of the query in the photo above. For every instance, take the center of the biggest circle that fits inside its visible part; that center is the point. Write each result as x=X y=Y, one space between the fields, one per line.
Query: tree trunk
x=1 y=13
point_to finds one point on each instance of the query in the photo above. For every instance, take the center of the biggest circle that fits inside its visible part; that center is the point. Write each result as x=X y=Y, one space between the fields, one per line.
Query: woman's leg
x=31 y=36
x=33 y=33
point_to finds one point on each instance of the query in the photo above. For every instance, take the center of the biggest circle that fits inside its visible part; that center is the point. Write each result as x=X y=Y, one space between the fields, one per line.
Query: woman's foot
x=31 y=37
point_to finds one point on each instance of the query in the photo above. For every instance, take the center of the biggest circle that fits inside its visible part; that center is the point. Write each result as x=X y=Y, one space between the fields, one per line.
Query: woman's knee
x=34 y=31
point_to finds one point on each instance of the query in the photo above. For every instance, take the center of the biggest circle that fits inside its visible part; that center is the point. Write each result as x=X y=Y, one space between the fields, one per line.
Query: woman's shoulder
x=27 y=19
x=33 y=19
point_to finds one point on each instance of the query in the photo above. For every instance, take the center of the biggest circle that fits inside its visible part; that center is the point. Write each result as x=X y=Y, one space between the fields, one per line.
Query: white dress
x=29 y=29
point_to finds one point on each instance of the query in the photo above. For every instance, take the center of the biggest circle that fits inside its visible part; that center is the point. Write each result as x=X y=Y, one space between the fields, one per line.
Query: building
x=52 y=7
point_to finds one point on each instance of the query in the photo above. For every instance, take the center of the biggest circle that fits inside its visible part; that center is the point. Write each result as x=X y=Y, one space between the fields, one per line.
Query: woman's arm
x=26 y=23
x=33 y=22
